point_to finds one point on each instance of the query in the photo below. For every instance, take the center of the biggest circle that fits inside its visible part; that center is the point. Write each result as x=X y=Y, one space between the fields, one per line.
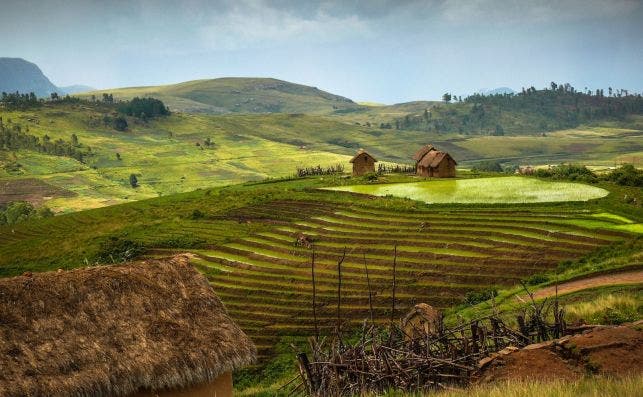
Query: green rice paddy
x=508 y=190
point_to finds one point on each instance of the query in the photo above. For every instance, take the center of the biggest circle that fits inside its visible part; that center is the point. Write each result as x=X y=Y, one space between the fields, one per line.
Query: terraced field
x=265 y=279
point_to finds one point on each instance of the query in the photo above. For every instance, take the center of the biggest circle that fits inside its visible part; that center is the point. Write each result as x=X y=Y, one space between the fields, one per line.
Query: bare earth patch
x=32 y=190
x=603 y=350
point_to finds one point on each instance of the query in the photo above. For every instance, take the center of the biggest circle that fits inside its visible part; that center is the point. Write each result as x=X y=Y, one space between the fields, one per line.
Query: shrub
x=489 y=166
x=537 y=279
x=626 y=175
x=117 y=250
x=197 y=214
x=572 y=172
x=133 y=180
x=120 y=124
x=475 y=297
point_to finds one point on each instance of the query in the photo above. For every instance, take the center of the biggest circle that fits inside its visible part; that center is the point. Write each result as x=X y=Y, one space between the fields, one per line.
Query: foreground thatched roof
x=112 y=330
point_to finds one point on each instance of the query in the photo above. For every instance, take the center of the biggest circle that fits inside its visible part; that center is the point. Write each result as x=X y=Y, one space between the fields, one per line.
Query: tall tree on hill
x=446 y=97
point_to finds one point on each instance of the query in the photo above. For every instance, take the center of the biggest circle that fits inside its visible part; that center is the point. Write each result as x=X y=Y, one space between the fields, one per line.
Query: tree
x=74 y=140
x=133 y=180
x=120 y=123
x=446 y=97
x=118 y=156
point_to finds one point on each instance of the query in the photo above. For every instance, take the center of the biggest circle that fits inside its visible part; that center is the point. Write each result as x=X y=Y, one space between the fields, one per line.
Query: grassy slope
x=252 y=147
x=237 y=95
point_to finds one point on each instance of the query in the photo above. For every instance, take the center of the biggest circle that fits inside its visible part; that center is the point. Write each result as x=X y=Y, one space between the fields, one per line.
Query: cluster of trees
x=20 y=211
x=143 y=108
x=18 y=101
x=13 y=138
x=556 y=107
x=625 y=175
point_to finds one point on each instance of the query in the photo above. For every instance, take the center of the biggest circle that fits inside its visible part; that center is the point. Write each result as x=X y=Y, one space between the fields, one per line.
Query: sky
x=378 y=50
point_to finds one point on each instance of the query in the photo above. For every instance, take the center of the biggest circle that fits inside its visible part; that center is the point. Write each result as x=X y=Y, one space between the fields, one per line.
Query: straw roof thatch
x=433 y=158
x=422 y=152
x=112 y=330
x=359 y=153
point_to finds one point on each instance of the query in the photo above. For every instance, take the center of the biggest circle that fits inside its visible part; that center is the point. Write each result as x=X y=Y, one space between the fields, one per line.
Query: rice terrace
x=275 y=199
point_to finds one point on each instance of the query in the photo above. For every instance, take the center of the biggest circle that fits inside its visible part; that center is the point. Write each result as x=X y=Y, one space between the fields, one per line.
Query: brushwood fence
x=319 y=170
x=411 y=358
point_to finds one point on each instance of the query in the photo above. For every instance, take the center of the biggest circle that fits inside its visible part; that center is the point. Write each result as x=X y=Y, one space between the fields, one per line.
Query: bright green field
x=485 y=190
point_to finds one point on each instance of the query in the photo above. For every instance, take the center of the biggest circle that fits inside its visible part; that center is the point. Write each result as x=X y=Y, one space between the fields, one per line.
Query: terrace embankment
x=265 y=279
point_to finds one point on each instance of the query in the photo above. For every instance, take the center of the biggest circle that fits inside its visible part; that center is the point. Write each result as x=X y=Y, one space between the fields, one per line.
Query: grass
x=485 y=190
x=586 y=387
x=607 y=308
x=164 y=155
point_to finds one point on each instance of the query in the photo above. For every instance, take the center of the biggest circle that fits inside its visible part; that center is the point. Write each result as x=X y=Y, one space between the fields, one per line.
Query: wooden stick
x=370 y=295
x=312 y=272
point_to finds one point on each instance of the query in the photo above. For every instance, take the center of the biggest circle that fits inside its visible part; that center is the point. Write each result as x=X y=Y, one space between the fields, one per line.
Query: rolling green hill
x=170 y=154
x=238 y=95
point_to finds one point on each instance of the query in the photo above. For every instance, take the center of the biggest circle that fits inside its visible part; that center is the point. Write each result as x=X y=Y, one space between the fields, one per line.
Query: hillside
x=238 y=95
x=77 y=88
x=16 y=74
x=243 y=238
x=183 y=152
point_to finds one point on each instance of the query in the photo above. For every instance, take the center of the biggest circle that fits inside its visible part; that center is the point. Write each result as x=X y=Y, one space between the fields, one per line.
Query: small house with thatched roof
x=363 y=163
x=153 y=328
x=430 y=162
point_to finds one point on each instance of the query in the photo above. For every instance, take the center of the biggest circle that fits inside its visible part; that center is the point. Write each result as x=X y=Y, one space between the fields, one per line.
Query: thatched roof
x=422 y=152
x=112 y=330
x=359 y=153
x=433 y=159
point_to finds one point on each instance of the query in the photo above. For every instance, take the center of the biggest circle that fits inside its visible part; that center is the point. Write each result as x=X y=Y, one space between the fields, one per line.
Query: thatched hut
x=152 y=328
x=363 y=163
x=430 y=162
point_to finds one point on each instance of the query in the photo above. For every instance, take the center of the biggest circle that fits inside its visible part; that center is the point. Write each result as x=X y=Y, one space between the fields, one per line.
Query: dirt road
x=631 y=277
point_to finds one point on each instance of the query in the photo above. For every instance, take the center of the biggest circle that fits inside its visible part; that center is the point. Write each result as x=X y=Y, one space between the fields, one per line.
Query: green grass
x=164 y=155
x=587 y=387
x=485 y=190
x=236 y=95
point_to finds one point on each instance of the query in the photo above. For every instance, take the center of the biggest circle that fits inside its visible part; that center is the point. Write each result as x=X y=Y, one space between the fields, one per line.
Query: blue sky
x=378 y=50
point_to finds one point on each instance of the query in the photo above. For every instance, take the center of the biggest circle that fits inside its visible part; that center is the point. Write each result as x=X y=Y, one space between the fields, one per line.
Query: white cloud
x=257 y=24
x=507 y=11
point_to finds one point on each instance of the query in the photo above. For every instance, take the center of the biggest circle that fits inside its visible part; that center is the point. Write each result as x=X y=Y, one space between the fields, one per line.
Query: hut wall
x=446 y=168
x=220 y=387
x=363 y=164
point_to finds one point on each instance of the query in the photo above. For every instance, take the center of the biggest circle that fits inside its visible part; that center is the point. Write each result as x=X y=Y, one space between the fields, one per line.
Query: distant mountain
x=75 y=89
x=238 y=95
x=16 y=74
x=495 y=91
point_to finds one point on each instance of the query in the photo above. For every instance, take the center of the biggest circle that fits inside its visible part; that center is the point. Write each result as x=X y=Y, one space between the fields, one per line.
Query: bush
x=120 y=124
x=475 y=297
x=572 y=172
x=489 y=166
x=117 y=250
x=133 y=180
x=626 y=175
x=371 y=176
x=537 y=279
x=197 y=214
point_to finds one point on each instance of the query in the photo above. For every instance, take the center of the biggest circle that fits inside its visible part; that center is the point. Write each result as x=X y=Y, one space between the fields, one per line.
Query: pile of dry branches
x=415 y=356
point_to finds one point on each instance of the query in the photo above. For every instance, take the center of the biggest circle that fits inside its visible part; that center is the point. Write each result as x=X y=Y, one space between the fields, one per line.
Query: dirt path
x=631 y=277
